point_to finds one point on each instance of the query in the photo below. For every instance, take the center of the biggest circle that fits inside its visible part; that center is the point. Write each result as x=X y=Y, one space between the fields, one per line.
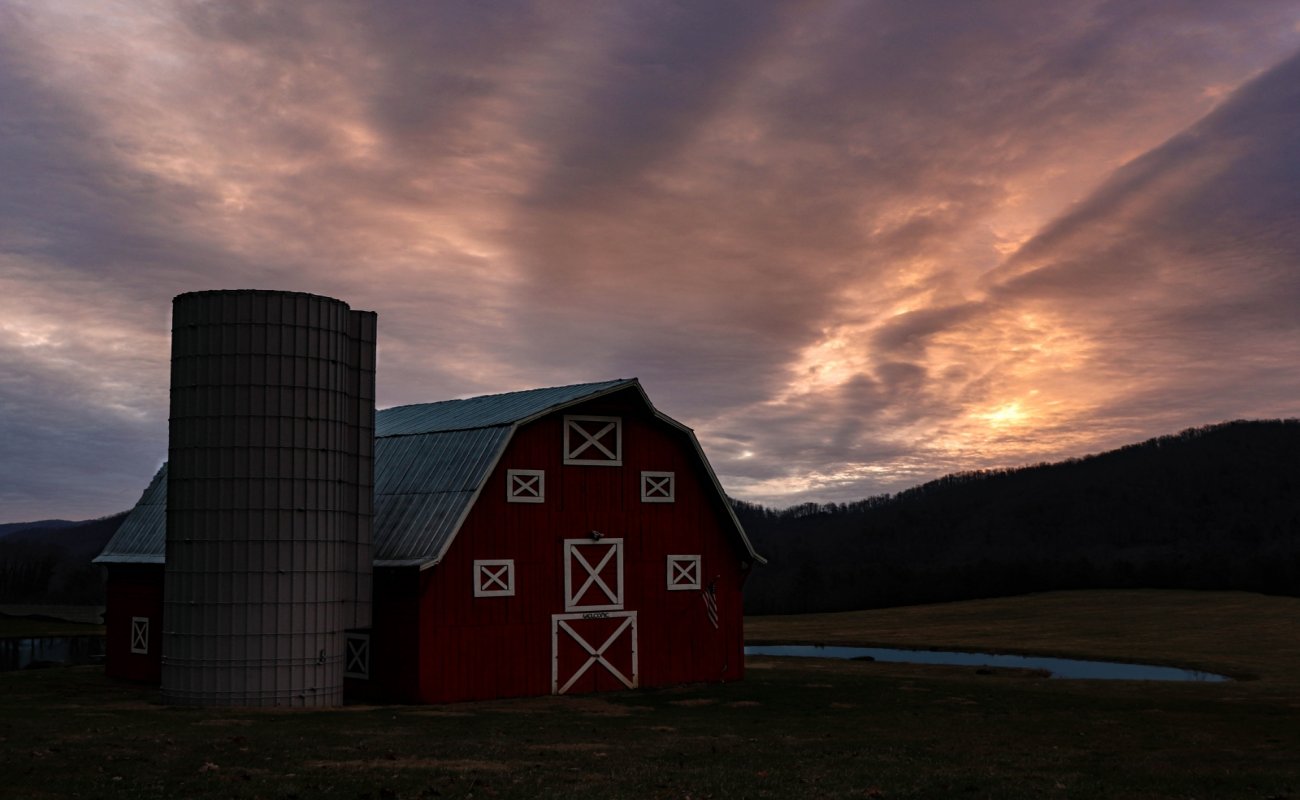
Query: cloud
x=854 y=245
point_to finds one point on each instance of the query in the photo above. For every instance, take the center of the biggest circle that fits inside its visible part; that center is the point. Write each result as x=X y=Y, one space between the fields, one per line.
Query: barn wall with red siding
x=501 y=646
x=394 y=639
x=133 y=593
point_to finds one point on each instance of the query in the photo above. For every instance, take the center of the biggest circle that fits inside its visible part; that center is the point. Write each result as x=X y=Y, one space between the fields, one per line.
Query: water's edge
x=1071 y=668
x=26 y=652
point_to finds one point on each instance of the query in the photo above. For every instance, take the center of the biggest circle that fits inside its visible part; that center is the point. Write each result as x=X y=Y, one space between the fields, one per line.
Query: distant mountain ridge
x=1216 y=507
x=49 y=561
x=7 y=528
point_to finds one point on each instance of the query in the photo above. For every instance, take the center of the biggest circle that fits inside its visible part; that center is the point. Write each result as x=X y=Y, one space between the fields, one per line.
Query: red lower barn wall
x=394 y=639
x=133 y=591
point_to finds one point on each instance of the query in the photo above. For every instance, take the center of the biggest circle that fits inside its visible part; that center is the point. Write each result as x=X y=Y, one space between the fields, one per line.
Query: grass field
x=793 y=728
x=28 y=620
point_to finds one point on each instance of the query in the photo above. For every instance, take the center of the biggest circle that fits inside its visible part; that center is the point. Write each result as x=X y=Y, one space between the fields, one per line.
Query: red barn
x=561 y=540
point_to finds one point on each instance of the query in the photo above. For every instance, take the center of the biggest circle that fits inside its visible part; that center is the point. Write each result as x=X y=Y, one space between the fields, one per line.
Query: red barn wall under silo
x=133 y=592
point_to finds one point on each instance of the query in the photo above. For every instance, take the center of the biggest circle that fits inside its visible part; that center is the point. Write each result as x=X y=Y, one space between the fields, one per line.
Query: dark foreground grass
x=793 y=728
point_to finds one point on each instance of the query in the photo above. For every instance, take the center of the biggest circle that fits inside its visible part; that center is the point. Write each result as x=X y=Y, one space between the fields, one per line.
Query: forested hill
x=49 y=561
x=1209 y=508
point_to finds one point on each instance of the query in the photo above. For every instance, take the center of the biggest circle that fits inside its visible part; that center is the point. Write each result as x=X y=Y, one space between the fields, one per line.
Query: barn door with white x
x=593 y=574
x=588 y=649
x=596 y=441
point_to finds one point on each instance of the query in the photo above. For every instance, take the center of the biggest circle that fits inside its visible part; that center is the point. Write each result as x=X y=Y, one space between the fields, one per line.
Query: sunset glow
x=856 y=246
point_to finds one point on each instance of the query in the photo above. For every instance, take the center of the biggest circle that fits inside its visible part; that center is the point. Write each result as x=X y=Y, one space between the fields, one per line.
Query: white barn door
x=593 y=643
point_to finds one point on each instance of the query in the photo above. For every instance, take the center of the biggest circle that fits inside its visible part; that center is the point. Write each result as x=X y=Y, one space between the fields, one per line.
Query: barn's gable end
x=497 y=611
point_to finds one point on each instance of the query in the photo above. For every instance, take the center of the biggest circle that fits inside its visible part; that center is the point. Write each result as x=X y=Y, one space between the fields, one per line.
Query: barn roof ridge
x=431 y=462
x=489 y=410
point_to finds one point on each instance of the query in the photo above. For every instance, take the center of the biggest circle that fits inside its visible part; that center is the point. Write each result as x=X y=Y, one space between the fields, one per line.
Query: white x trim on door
x=139 y=634
x=357 y=662
x=595 y=655
x=605 y=442
x=609 y=597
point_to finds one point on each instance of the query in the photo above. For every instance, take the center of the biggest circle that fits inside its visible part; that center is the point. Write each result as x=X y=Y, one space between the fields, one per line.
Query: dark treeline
x=49 y=561
x=1216 y=507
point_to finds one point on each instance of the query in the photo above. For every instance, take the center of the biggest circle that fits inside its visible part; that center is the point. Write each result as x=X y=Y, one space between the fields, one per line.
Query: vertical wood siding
x=133 y=590
x=482 y=647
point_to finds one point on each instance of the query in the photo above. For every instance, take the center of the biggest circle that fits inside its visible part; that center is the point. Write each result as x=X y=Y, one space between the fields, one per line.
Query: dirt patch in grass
x=448 y=764
x=225 y=722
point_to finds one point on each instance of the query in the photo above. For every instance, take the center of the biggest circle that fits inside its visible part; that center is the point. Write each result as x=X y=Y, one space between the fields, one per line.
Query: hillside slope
x=1210 y=508
x=47 y=562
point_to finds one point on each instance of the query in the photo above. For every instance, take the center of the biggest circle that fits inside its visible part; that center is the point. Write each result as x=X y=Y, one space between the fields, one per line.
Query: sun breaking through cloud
x=856 y=245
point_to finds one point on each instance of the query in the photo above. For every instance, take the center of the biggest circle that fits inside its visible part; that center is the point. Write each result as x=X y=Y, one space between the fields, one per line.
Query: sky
x=855 y=245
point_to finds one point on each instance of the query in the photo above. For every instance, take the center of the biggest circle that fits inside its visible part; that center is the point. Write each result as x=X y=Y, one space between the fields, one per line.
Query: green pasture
x=793 y=728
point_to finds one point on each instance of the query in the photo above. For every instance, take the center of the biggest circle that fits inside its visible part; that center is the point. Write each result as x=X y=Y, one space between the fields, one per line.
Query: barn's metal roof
x=488 y=410
x=140 y=537
x=431 y=461
x=425 y=484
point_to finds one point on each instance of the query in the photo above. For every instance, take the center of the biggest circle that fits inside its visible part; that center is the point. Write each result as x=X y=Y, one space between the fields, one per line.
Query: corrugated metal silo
x=270 y=497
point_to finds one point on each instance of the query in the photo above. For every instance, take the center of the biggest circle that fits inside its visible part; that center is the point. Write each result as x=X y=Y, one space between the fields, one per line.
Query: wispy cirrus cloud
x=855 y=245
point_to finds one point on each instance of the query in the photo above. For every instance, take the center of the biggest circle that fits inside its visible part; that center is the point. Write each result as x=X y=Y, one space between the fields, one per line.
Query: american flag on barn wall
x=710 y=595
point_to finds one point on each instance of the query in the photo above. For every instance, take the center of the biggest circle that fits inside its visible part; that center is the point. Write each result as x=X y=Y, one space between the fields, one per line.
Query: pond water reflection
x=1056 y=667
x=46 y=650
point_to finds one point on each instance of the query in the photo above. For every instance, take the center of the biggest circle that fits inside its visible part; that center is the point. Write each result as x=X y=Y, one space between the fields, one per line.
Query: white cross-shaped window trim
x=686 y=572
x=658 y=487
x=358 y=656
x=592 y=440
x=490 y=580
x=596 y=655
x=593 y=574
x=526 y=485
x=140 y=635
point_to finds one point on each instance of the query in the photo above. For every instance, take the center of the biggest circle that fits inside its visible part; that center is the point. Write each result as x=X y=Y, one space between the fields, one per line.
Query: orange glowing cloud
x=856 y=246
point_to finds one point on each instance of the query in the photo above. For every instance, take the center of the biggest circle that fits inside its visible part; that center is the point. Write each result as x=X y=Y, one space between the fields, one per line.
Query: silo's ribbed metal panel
x=269 y=512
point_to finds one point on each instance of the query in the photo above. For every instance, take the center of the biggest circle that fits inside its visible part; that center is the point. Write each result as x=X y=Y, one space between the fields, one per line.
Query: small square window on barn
x=494 y=577
x=594 y=441
x=525 y=486
x=356 y=657
x=658 y=487
x=140 y=635
x=683 y=573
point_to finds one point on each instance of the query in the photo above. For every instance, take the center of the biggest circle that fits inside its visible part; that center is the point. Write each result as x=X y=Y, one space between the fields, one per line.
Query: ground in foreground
x=793 y=728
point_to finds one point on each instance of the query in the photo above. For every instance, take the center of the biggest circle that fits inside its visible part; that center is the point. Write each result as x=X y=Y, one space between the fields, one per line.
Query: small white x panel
x=593 y=574
x=525 y=486
x=683 y=573
x=593 y=440
x=140 y=635
x=494 y=577
x=356 y=659
x=658 y=487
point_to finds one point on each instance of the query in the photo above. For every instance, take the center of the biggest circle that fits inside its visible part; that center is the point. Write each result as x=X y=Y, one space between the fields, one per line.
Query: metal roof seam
x=429 y=477
x=501 y=449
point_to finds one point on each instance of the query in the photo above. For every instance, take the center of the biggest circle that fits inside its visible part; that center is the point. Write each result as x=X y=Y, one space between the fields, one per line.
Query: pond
x=1056 y=667
x=48 y=650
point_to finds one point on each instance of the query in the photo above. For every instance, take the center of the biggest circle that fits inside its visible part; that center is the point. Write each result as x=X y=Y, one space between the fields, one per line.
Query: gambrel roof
x=431 y=461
